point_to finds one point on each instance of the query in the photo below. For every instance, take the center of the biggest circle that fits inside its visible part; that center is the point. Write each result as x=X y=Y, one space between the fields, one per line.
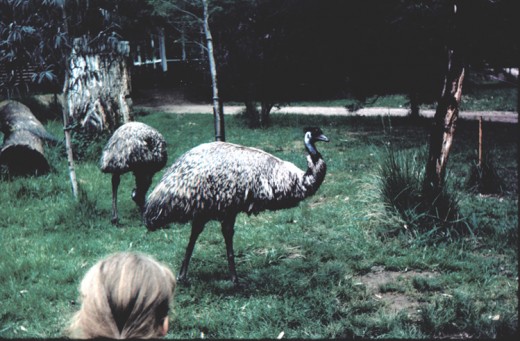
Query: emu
x=138 y=148
x=218 y=180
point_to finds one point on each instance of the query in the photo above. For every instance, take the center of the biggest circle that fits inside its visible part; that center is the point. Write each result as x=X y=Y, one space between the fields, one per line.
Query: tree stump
x=22 y=150
x=97 y=86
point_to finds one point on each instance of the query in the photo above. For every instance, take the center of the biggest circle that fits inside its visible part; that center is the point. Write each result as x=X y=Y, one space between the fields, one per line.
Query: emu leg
x=116 y=179
x=142 y=184
x=196 y=228
x=228 y=230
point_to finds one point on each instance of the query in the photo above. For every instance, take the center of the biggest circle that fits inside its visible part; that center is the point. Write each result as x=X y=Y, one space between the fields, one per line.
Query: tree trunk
x=68 y=140
x=22 y=150
x=97 y=87
x=444 y=125
x=217 y=104
x=265 y=110
x=66 y=114
x=414 y=105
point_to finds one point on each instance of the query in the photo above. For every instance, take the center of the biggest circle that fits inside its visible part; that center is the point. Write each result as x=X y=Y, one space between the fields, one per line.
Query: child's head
x=126 y=295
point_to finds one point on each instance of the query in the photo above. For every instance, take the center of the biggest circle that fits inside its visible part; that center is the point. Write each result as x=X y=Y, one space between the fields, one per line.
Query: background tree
x=252 y=56
x=446 y=115
x=192 y=18
x=31 y=45
x=274 y=52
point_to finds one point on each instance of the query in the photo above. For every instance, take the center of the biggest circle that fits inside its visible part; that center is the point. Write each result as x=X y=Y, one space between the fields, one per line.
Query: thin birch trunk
x=217 y=107
x=66 y=116
x=68 y=140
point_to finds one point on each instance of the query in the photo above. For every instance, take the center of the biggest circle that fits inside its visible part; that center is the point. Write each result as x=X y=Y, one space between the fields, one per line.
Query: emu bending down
x=138 y=148
x=216 y=181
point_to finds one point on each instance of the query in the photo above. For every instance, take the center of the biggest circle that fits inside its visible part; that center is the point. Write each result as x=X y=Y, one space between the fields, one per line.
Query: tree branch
x=188 y=13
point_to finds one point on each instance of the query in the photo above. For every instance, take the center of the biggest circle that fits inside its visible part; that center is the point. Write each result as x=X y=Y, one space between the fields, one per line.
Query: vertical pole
x=183 y=45
x=152 y=44
x=518 y=138
x=480 y=141
x=162 y=50
x=139 y=61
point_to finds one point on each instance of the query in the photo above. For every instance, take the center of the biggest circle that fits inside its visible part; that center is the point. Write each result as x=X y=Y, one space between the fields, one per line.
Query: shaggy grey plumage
x=138 y=148
x=218 y=180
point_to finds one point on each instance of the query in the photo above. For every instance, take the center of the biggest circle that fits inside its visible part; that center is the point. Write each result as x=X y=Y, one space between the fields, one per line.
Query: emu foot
x=183 y=280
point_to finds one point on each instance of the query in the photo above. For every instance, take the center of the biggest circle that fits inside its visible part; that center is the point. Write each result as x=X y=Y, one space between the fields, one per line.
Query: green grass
x=309 y=272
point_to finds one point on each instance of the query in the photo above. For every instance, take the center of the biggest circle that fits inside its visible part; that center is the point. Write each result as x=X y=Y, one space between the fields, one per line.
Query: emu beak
x=323 y=138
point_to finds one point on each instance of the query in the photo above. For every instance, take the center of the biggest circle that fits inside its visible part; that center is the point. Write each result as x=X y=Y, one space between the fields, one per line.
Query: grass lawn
x=325 y=269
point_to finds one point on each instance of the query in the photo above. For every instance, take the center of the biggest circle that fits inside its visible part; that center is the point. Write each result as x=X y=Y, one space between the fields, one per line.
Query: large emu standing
x=138 y=148
x=218 y=180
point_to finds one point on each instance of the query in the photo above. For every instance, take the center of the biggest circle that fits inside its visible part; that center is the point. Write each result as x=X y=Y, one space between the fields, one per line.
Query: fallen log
x=22 y=150
x=22 y=154
x=17 y=116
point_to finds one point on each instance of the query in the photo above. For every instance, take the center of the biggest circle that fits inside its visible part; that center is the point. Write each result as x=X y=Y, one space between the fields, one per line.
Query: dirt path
x=174 y=101
x=187 y=108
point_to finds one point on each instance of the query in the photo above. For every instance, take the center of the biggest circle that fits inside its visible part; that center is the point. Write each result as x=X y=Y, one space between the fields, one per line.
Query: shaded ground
x=172 y=101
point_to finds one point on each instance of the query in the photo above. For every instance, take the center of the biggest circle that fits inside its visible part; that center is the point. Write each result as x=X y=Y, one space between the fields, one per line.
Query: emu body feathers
x=138 y=148
x=218 y=180
x=215 y=178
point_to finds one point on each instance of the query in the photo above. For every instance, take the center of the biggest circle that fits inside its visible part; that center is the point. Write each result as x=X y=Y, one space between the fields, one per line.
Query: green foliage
x=307 y=271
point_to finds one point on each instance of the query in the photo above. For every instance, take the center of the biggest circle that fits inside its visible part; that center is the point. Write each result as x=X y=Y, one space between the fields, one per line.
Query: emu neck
x=313 y=152
x=316 y=169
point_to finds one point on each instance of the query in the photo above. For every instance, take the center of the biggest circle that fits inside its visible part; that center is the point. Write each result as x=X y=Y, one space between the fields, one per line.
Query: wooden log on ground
x=22 y=150
x=17 y=116
x=22 y=154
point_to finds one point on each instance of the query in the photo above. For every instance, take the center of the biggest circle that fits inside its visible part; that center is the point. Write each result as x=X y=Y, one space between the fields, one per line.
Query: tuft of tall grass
x=484 y=178
x=429 y=217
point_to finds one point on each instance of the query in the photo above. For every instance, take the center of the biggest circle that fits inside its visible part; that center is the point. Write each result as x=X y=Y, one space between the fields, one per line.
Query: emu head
x=313 y=134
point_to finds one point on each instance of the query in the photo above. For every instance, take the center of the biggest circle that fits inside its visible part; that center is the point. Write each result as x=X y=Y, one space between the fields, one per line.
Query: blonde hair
x=126 y=295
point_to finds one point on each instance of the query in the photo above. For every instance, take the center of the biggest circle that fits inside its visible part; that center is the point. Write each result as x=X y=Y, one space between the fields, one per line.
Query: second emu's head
x=312 y=135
